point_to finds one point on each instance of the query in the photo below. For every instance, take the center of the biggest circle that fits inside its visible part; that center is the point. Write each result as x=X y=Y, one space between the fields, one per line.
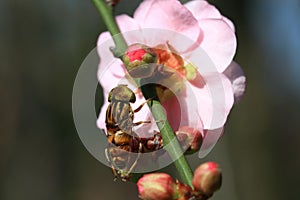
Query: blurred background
x=42 y=45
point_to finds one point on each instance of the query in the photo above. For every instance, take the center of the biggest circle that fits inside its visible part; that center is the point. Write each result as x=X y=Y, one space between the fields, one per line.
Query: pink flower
x=193 y=29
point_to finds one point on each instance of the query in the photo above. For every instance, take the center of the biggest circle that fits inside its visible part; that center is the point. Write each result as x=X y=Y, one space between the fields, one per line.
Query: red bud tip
x=136 y=55
x=140 y=60
x=207 y=178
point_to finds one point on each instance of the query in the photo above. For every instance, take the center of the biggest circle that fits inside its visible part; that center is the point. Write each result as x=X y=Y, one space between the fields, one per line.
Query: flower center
x=169 y=57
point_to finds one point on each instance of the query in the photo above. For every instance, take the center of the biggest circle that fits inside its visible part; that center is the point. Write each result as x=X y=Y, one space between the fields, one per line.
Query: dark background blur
x=42 y=44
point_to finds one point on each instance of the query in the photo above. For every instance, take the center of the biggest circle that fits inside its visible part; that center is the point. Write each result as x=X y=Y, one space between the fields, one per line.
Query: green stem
x=148 y=91
x=106 y=13
x=170 y=141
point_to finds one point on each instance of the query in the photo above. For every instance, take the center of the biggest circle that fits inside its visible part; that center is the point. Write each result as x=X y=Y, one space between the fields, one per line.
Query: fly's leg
x=114 y=171
x=137 y=158
x=148 y=121
x=141 y=122
x=141 y=106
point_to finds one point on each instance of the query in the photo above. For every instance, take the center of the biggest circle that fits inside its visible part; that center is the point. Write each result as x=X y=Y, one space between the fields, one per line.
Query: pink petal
x=127 y=23
x=180 y=113
x=109 y=66
x=211 y=137
x=110 y=75
x=238 y=80
x=167 y=14
x=154 y=37
x=173 y=112
x=132 y=33
x=130 y=29
x=219 y=42
x=229 y=22
x=111 y=69
x=103 y=41
x=102 y=115
x=202 y=107
x=203 y=10
x=214 y=100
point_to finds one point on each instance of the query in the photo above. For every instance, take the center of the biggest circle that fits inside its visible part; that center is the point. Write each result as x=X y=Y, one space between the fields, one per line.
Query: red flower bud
x=156 y=186
x=207 y=178
x=189 y=138
x=140 y=60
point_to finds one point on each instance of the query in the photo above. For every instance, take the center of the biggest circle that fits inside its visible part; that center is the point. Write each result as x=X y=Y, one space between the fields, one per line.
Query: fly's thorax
x=121 y=93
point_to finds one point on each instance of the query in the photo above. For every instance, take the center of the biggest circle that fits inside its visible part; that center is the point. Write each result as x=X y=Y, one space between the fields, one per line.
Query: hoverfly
x=122 y=140
x=120 y=157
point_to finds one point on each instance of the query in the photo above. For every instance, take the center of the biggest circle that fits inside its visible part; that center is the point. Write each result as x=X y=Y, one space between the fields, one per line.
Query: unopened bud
x=207 y=178
x=183 y=192
x=156 y=186
x=140 y=60
x=189 y=139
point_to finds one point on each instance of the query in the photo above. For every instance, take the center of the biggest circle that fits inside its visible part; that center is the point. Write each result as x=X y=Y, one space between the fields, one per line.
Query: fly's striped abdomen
x=121 y=111
x=119 y=116
x=111 y=126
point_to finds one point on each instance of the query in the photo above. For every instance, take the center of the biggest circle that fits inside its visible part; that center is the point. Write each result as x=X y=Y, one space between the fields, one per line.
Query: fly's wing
x=119 y=157
x=124 y=117
x=126 y=126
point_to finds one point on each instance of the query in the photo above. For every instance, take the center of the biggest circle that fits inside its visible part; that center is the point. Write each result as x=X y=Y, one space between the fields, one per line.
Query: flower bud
x=189 y=139
x=156 y=186
x=140 y=60
x=207 y=178
x=183 y=192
